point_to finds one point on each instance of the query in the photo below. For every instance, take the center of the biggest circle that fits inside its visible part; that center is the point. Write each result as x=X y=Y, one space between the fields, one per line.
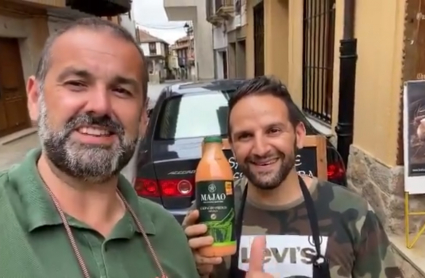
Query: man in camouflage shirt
x=264 y=133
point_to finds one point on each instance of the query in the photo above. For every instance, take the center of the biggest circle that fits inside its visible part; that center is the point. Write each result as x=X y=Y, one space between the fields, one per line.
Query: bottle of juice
x=215 y=199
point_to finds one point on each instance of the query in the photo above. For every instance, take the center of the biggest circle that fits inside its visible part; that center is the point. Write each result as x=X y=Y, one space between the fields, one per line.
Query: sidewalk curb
x=17 y=135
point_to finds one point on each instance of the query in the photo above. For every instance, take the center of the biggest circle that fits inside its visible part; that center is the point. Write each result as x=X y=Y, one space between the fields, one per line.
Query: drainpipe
x=347 y=82
x=214 y=56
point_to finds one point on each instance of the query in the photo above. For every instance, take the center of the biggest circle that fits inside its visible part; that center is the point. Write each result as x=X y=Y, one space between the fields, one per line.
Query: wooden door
x=259 y=39
x=13 y=103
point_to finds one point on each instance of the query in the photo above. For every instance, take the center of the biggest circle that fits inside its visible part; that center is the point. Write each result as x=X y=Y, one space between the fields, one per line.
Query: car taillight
x=165 y=188
x=335 y=171
x=147 y=188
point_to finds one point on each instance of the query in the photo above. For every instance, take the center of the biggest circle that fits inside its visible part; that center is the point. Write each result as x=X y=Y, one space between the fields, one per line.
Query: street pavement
x=15 y=151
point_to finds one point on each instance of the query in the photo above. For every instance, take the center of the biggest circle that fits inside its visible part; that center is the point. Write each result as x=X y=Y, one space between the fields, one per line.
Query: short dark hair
x=95 y=24
x=263 y=85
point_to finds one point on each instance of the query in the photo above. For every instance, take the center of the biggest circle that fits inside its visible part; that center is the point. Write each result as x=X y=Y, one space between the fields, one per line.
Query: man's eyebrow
x=71 y=71
x=241 y=132
x=271 y=125
x=125 y=81
x=277 y=124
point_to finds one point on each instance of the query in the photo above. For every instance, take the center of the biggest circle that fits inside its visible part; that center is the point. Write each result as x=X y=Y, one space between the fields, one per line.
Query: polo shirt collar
x=39 y=207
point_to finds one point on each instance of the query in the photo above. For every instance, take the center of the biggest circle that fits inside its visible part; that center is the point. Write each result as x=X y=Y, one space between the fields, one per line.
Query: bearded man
x=288 y=225
x=65 y=210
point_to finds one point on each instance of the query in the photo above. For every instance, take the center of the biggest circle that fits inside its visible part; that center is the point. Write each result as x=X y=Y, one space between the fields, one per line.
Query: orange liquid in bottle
x=215 y=198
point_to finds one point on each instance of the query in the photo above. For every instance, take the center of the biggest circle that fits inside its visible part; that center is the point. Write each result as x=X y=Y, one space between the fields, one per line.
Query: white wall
x=184 y=10
x=204 y=53
x=220 y=37
x=219 y=64
x=173 y=61
x=128 y=24
x=160 y=48
x=238 y=20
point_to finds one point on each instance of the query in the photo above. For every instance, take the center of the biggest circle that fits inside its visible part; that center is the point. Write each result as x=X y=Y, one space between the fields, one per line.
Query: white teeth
x=93 y=131
x=266 y=163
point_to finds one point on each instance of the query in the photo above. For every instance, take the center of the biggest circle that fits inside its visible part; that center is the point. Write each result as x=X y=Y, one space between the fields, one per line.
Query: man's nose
x=261 y=147
x=99 y=101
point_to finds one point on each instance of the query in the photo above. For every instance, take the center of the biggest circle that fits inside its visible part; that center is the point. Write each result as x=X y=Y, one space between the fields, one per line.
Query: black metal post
x=347 y=82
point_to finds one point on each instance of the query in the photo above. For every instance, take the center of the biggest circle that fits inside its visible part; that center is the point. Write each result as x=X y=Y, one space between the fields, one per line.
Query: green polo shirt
x=34 y=243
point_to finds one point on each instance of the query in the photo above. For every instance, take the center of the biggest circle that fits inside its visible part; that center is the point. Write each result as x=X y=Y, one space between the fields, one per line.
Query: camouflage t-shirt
x=352 y=237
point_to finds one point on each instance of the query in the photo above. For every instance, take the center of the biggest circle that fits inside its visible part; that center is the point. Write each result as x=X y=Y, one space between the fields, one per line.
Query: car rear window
x=194 y=115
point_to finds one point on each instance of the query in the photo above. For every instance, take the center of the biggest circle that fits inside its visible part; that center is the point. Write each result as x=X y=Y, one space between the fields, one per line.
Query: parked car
x=183 y=115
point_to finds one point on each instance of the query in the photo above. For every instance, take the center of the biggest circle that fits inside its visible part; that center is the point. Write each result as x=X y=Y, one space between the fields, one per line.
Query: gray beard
x=92 y=164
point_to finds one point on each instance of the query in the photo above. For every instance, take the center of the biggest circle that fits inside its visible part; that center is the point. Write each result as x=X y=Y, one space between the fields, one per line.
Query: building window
x=238 y=7
x=152 y=48
x=318 y=58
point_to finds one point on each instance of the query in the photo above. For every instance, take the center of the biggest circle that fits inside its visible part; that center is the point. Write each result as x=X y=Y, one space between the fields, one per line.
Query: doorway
x=259 y=39
x=232 y=59
x=224 y=59
x=241 y=59
x=13 y=101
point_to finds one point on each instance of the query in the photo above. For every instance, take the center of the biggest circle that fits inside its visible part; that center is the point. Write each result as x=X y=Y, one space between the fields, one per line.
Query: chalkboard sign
x=310 y=160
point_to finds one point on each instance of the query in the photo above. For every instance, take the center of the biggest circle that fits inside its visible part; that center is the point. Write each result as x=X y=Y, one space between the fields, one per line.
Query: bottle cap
x=213 y=139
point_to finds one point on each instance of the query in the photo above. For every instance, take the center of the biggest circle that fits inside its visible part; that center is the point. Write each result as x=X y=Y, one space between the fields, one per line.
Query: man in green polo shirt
x=65 y=211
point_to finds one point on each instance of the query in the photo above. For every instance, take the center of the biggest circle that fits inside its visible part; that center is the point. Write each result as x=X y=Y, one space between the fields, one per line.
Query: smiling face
x=90 y=105
x=264 y=141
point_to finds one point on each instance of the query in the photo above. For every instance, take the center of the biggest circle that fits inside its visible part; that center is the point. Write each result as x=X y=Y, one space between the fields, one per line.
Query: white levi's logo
x=285 y=255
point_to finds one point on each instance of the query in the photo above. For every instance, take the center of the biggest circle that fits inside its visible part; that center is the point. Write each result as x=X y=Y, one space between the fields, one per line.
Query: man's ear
x=300 y=134
x=144 y=119
x=143 y=123
x=33 y=96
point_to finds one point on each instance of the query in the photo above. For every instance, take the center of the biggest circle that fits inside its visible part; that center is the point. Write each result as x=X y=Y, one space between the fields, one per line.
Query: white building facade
x=195 y=11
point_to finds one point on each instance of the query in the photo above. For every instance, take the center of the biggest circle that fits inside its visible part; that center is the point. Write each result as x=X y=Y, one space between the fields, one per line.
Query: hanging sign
x=414 y=136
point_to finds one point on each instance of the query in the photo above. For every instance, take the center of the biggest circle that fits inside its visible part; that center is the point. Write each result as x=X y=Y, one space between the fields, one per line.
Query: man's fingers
x=196 y=230
x=199 y=242
x=205 y=270
x=191 y=218
x=200 y=260
x=256 y=258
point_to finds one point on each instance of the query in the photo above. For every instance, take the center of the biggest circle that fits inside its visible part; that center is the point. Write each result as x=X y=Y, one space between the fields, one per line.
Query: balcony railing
x=101 y=7
x=224 y=8
x=212 y=16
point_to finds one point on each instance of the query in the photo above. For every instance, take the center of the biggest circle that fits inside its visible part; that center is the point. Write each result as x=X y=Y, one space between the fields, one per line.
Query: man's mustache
x=105 y=122
x=260 y=159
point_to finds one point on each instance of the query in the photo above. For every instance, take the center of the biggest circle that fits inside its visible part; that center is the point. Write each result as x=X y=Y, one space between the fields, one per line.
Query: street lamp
x=188 y=28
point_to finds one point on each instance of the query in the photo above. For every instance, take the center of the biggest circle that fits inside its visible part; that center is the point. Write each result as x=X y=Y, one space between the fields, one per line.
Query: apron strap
x=234 y=259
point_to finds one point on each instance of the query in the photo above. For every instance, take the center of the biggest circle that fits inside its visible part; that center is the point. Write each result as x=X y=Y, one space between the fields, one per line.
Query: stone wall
x=383 y=187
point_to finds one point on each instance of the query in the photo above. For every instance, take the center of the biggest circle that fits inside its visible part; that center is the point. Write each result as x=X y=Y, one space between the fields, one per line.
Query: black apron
x=320 y=263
